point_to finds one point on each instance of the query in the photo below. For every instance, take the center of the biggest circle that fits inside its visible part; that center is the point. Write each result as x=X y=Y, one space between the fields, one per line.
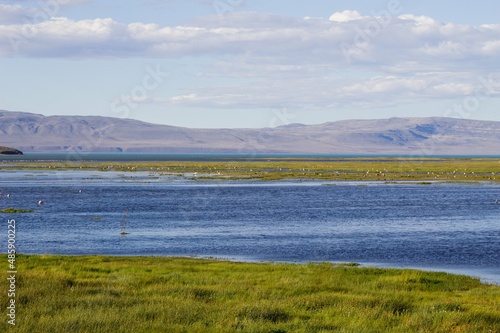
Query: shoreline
x=474 y=273
x=489 y=279
x=242 y=260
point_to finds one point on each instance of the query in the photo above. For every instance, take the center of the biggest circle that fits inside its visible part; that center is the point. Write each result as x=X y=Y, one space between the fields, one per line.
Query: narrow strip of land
x=380 y=169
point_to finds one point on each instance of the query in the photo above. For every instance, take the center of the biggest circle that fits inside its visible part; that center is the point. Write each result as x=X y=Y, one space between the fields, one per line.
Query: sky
x=251 y=63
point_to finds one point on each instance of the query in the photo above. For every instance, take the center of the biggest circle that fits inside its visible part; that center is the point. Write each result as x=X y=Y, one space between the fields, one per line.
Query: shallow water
x=451 y=227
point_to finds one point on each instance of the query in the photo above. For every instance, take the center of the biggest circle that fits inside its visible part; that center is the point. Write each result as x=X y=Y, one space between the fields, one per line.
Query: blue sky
x=251 y=63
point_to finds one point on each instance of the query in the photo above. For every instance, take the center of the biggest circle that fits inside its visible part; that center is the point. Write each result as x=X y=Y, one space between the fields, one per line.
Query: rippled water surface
x=452 y=227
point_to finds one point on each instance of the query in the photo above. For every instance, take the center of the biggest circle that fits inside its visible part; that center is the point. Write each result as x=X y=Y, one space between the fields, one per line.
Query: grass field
x=151 y=294
x=380 y=169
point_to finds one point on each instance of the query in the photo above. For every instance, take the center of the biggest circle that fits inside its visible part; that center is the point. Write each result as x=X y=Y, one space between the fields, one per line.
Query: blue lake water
x=450 y=227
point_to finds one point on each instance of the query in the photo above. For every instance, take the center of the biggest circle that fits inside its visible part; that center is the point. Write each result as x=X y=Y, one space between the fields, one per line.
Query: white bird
x=40 y=202
x=8 y=195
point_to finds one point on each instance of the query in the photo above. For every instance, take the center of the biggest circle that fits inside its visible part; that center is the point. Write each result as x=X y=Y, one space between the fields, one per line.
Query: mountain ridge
x=31 y=132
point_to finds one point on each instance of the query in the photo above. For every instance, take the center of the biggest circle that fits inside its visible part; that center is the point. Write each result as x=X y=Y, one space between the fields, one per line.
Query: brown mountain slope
x=408 y=136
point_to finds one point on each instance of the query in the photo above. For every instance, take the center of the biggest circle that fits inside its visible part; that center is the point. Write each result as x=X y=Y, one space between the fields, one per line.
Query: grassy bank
x=381 y=169
x=146 y=294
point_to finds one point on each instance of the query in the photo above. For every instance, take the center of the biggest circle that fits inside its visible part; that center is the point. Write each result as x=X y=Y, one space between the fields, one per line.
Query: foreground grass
x=149 y=294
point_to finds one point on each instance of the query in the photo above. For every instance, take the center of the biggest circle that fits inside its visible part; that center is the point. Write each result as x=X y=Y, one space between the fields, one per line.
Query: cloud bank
x=344 y=60
x=367 y=38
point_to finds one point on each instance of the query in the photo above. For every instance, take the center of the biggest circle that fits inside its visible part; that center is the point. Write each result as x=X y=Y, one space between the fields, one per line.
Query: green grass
x=16 y=210
x=151 y=294
x=381 y=169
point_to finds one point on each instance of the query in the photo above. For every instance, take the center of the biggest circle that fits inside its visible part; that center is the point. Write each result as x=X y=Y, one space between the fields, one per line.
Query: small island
x=9 y=151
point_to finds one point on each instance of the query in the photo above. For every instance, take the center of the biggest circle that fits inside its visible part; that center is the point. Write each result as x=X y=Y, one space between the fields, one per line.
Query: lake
x=449 y=227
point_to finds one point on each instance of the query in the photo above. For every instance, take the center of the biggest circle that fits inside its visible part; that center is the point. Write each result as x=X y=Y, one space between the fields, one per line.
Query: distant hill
x=407 y=136
x=9 y=151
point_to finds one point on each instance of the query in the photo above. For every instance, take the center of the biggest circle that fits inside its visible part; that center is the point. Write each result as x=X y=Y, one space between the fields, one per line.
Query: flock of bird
x=40 y=202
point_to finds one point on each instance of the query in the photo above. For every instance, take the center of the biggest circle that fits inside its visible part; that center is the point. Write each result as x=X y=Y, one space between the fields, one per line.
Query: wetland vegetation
x=15 y=210
x=155 y=294
x=373 y=169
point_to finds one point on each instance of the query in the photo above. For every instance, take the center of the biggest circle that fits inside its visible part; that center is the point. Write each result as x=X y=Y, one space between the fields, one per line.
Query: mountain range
x=30 y=132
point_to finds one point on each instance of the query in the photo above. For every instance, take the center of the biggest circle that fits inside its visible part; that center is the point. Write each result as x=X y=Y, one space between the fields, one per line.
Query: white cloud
x=346 y=16
x=348 y=37
x=453 y=89
x=330 y=92
x=491 y=47
x=300 y=62
x=418 y=20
